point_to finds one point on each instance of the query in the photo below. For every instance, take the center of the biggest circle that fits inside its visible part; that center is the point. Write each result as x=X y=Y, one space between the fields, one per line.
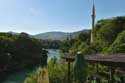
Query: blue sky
x=38 y=16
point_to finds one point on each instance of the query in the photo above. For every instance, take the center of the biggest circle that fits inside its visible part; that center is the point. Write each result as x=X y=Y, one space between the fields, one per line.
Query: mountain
x=57 y=35
x=52 y=35
x=14 y=33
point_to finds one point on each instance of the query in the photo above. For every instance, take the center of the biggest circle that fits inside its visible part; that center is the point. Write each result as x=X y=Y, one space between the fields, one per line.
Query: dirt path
x=43 y=76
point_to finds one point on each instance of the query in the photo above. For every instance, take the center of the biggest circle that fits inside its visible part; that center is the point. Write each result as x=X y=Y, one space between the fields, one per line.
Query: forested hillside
x=60 y=36
x=109 y=37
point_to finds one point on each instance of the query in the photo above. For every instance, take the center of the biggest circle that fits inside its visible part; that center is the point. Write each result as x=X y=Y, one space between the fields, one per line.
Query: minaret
x=93 y=23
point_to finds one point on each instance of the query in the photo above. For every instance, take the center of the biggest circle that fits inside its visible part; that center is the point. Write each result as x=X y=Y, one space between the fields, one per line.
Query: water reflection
x=52 y=53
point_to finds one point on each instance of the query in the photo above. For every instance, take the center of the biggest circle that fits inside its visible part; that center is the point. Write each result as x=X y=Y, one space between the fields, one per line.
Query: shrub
x=57 y=71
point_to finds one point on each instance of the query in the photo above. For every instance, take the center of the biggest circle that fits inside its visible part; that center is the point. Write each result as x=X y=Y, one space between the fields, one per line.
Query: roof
x=117 y=60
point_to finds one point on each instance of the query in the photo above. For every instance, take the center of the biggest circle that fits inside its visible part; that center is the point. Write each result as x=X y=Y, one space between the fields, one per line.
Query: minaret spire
x=93 y=10
x=93 y=22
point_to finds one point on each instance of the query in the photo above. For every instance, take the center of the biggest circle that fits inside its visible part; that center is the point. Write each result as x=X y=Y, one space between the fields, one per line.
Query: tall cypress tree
x=80 y=66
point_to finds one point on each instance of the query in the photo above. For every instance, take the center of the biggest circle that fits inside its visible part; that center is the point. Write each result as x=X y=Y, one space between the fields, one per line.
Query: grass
x=41 y=76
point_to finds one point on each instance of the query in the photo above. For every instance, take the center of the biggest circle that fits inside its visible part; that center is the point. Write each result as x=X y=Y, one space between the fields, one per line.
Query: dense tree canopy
x=18 y=51
x=118 y=45
x=107 y=30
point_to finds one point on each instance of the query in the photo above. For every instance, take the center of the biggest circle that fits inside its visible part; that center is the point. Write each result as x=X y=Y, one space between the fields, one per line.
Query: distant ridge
x=52 y=35
x=14 y=33
x=55 y=35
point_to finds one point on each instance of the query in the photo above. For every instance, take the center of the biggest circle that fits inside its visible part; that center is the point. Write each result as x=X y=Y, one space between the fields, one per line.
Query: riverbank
x=19 y=76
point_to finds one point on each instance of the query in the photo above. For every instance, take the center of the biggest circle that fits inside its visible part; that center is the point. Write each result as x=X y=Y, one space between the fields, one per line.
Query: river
x=19 y=77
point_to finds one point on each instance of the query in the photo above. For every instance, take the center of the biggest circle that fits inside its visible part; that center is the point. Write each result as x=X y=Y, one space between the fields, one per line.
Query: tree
x=84 y=36
x=6 y=49
x=118 y=45
x=107 y=30
x=80 y=68
x=57 y=71
x=17 y=51
x=65 y=46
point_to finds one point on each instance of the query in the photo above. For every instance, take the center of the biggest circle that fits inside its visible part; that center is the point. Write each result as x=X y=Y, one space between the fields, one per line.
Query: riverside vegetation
x=19 y=52
x=109 y=38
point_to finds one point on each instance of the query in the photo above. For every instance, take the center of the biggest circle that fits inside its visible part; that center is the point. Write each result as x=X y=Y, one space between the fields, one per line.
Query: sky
x=39 y=16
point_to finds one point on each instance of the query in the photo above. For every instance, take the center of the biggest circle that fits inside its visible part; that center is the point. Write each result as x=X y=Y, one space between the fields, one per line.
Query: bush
x=57 y=71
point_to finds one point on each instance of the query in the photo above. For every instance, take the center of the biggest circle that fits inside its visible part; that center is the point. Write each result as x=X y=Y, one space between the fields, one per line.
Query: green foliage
x=51 y=44
x=65 y=46
x=105 y=33
x=53 y=61
x=80 y=69
x=120 y=39
x=118 y=45
x=19 y=51
x=84 y=37
x=58 y=71
x=91 y=49
x=6 y=46
x=81 y=46
x=107 y=30
x=36 y=77
x=109 y=37
x=31 y=79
